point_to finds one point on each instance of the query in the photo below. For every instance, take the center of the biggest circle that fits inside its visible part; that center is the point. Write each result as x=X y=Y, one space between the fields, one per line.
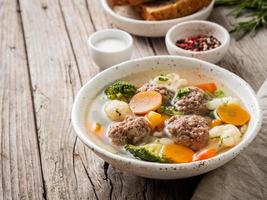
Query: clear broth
x=95 y=111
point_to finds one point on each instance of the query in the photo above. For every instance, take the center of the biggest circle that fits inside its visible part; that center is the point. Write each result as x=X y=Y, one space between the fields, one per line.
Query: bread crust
x=129 y=2
x=170 y=9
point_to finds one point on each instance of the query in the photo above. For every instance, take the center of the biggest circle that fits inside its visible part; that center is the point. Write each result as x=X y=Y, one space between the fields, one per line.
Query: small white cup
x=105 y=58
x=198 y=27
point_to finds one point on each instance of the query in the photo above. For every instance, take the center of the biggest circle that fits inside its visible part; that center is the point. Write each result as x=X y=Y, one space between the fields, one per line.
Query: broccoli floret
x=168 y=110
x=120 y=90
x=149 y=152
x=219 y=94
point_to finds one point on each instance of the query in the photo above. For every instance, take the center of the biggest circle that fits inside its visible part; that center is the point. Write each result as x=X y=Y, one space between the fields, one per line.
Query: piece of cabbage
x=171 y=81
x=216 y=102
x=229 y=135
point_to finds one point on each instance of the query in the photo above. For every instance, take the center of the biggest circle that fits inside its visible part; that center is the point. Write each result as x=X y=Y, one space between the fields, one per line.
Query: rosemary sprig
x=255 y=11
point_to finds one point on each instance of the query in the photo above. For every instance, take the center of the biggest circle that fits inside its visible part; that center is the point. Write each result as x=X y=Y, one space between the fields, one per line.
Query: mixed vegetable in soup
x=168 y=120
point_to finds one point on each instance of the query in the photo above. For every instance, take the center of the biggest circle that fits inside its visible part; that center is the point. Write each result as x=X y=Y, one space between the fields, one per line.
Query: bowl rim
x=224 y=44
x=192 y=165
x=110 y=11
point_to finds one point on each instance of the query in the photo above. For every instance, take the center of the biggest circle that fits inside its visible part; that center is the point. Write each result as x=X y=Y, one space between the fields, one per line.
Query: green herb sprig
x=255 y=12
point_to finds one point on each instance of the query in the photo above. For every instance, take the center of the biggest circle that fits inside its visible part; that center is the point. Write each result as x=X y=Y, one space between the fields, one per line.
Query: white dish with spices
x=155 y=25
x=204 y=40
x=157 y=131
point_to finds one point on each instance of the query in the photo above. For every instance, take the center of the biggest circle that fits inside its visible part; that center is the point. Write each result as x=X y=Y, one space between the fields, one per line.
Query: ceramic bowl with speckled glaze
x=147 y=67
x=195 y=28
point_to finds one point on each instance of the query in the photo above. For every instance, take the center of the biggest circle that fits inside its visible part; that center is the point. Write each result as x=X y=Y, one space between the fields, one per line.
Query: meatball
x=193 y=102
x=167 y=94
x=188 y=130
x=131 y=130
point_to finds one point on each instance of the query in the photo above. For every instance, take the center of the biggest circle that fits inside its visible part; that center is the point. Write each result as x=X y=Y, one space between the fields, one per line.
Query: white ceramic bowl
x=105 y=59
x=151 y=28
x=194 y=28
x=167 y=63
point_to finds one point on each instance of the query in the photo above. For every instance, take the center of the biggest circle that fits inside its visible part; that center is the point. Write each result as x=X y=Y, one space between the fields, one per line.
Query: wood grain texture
x=85 y=163
x=56 y=33
x=101 y=21
x=55 y=80
x=246 y=57
x=20 y=174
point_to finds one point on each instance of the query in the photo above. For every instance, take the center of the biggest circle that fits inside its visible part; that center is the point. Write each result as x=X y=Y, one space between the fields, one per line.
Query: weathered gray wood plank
x=142 y=46
x=56 y=79
x=59 y=62
x=20 y=174
x=86 y=163
x=246 y=57
x=78 y=25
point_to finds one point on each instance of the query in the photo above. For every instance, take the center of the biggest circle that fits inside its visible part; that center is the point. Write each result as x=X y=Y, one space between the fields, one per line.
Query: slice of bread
x=187 y=7
x=170 y=9
x=159 y=10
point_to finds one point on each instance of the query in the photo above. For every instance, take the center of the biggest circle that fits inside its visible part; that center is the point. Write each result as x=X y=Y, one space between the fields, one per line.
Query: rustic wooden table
x=44 y=60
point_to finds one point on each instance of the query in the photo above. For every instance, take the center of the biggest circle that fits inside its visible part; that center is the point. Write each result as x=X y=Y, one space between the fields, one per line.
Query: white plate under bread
x=126 y=19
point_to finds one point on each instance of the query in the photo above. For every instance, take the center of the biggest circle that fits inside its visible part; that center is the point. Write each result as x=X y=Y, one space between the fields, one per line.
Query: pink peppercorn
x=199 y=43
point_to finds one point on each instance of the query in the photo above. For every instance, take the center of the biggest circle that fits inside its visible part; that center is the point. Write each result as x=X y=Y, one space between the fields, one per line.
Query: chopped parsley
x=183 y=92
x=216 y=137
x=117 y=111
x=219 y=94
x=163 y=78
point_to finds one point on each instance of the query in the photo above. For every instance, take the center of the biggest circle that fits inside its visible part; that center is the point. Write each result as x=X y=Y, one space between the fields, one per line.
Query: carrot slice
x=204 y=154
x=177 y=153
x=143 y=102
x=95 y=127
x=215 y=122
x=233 y=114
x=209 y=87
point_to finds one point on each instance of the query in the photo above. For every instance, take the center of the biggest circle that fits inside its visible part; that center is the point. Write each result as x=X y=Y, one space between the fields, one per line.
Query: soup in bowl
x=166 y=117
